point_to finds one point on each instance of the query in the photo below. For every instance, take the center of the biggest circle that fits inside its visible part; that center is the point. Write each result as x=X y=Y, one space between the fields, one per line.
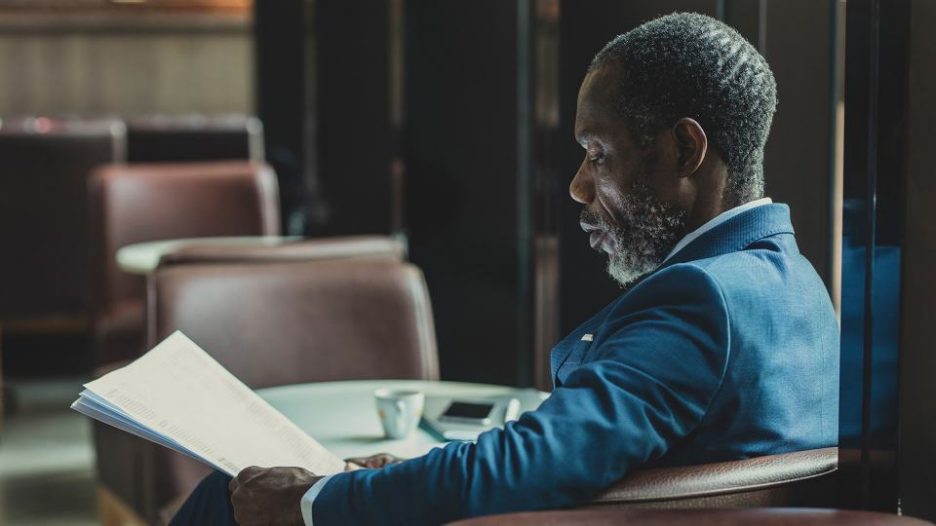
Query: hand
x=372 y=462
x=270 y=495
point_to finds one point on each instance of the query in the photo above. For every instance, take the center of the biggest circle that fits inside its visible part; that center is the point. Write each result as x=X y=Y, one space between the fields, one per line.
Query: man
x=723 y=346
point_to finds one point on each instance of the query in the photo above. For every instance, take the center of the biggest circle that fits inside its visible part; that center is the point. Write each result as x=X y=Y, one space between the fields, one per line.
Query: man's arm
x=657 y=370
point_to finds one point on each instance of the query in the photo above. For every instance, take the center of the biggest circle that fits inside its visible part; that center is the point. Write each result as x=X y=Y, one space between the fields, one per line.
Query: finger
x=385 y=459
x=236 y=507
x=249 y=472
x=352 y=466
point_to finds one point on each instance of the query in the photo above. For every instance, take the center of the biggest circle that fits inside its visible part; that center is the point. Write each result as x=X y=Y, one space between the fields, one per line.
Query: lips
x=597 y=239
x=599 y=236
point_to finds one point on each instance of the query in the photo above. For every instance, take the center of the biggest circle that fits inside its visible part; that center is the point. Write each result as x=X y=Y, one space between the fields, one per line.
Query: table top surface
x=342 y=416
x=143 y=258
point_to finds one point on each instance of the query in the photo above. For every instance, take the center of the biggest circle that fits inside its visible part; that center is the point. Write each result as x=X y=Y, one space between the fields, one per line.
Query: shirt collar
x=714 y=222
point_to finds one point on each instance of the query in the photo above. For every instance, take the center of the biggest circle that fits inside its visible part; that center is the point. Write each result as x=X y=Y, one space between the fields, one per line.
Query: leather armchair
x=802 y=478
x=273 y=323
x=136 y=203
x=636 y=517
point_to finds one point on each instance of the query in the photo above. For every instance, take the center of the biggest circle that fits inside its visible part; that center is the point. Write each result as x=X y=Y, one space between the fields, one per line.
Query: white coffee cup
x=399 y=410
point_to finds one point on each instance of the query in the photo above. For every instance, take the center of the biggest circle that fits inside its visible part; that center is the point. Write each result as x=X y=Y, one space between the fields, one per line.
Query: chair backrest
x=801 y=478
x=302 y=321
x=136 y=203
x=290 y=322
x=44 y=165
x=182 y=138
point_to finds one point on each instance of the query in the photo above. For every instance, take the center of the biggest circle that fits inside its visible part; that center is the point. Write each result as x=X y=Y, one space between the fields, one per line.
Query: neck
x=709 y=198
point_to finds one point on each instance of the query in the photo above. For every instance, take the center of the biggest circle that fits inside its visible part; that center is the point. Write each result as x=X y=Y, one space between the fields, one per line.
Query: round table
x=343 y=418
x=143 y=258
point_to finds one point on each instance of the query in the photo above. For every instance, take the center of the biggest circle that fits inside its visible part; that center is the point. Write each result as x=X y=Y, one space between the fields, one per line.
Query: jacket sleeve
x=647 y=384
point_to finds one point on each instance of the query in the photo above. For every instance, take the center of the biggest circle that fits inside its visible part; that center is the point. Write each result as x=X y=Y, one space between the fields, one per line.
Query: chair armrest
x=721 y=477
x=376 y=247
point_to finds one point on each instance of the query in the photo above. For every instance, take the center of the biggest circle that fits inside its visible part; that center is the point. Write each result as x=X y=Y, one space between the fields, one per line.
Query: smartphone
x=478 y=413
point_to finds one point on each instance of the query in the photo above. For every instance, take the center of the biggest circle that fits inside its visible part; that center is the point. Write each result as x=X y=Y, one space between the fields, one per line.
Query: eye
x=595 y=156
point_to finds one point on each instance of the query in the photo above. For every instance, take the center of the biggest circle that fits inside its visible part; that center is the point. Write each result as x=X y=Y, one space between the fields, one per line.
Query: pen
x=512 y=411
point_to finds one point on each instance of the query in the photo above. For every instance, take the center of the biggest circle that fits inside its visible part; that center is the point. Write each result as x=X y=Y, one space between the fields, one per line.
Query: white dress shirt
x=309 y=498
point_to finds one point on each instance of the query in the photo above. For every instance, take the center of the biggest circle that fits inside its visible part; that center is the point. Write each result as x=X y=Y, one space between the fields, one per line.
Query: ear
x=692 y=145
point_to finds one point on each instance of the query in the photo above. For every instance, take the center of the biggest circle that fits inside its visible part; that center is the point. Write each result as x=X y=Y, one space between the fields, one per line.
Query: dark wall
x=461 y=165
x=799 y=154
x=323 y=94
x=354 y=136
x=285 y=99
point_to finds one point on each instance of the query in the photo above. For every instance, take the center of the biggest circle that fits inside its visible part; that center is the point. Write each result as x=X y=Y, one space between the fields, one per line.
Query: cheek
x=612 y=198
x=663 y=181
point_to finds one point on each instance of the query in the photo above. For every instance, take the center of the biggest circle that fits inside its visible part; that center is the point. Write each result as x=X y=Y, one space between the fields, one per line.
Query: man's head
x=673 y=116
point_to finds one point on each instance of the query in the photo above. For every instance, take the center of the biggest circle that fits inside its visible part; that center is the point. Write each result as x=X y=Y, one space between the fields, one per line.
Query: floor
x=46 y=457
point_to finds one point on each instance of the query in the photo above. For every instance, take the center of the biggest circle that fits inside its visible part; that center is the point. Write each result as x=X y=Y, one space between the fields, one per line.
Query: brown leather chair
x=279 y=323
x=44 y=165
x=136 y=203
x=798 y=479
x=636 y=517
x=356 y=247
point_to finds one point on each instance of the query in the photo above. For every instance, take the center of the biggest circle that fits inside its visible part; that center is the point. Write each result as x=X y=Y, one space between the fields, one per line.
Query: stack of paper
x=178 y=396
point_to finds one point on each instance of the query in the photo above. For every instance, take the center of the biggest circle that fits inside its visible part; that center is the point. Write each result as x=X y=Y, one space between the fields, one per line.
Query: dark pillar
x=283 y=33
x=917 y=456
x=461 y=179
x=355 y=140
x=875 y=170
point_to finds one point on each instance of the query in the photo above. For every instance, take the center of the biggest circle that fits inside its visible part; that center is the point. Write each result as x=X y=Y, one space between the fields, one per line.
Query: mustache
x=591 y=220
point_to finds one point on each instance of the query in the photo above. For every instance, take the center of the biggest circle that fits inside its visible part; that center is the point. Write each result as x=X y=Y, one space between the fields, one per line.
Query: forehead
x=595 y=114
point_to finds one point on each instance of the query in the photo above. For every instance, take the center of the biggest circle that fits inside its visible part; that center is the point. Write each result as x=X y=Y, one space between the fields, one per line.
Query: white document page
x=178 y=396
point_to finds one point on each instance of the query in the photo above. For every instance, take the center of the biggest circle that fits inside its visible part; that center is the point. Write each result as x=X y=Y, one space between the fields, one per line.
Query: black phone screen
x=470 y=410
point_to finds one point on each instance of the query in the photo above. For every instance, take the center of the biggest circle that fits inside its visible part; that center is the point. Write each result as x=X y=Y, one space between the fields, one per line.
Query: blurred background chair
x=271 y=323
x=44 y=274
x=180 y=138
x=136 y=203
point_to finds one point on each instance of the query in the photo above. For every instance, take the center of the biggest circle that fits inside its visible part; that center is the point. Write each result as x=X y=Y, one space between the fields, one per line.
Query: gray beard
x=651 y=230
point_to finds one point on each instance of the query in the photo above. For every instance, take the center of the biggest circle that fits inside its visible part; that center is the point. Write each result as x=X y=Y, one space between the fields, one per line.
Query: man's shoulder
x=770 y=268
x=679 y=285
x=763 y=264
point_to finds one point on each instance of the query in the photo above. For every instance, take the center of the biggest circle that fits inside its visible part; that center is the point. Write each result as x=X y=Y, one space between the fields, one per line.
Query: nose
x=582 y=188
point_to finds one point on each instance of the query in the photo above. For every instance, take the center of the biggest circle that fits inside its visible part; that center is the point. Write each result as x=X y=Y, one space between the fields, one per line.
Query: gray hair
x=691 y=65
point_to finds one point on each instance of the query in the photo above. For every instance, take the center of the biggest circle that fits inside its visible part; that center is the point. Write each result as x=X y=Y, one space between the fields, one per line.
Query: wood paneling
x=202 y=65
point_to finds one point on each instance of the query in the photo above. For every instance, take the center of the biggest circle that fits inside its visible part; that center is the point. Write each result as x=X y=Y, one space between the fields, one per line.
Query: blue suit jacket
x=729 y=350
